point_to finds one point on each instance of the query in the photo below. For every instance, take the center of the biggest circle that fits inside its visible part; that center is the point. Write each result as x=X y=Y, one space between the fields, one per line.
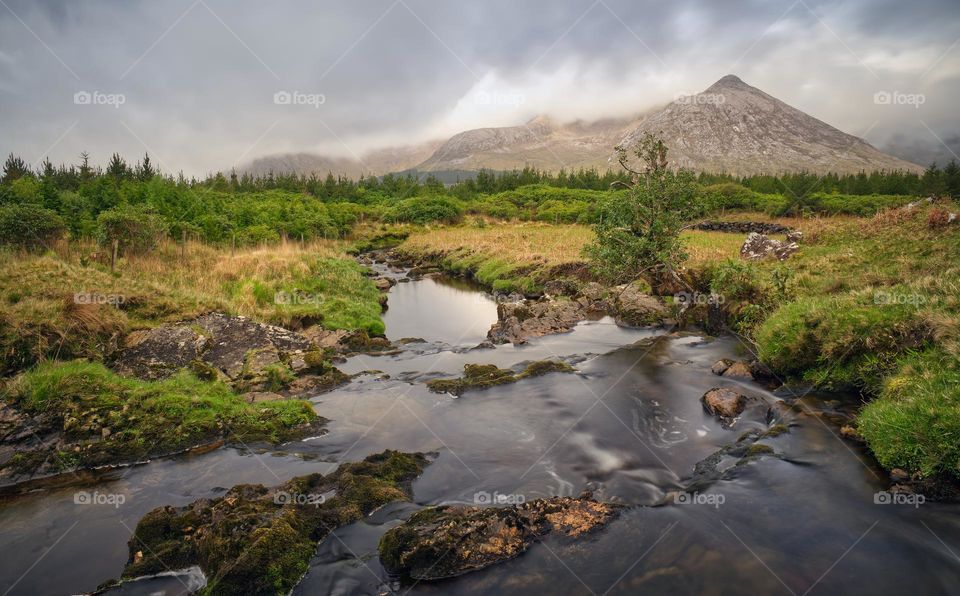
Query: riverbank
x=866 y=304
x=170 y=350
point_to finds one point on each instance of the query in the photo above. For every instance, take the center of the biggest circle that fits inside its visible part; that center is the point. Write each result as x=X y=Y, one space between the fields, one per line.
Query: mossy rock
x=480 y=376
x=259 y=540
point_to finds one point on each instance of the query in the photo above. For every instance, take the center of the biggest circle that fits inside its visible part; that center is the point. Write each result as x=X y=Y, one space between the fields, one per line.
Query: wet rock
x=759 y=246
x=158 y=353
x=325 y=338
x=384 y=283
x=595 y=297
x=560 y=287
x=446 y=541
x=259 y=540
x=850 y=433
x=236 y=349
x=518 y=322
x=724 y=403
x=738 y=370
x=635 y=307
x=899 y=475
x=720 y=366
x=479 y=376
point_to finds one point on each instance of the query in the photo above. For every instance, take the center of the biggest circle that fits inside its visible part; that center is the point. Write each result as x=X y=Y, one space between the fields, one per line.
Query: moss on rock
x=480 y=376
x=259 y=540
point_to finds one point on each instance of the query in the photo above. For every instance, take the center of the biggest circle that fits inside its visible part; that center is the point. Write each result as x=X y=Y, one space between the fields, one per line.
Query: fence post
x=183 y=243
x=113 y=257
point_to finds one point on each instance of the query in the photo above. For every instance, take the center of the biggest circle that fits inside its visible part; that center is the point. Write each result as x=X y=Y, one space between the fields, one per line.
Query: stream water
x=628 y=425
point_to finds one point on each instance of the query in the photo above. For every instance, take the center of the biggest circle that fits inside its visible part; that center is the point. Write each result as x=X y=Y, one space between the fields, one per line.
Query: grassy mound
x=102 y=418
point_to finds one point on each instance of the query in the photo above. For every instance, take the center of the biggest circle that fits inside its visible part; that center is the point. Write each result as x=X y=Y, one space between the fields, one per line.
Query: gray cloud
x=199 y=77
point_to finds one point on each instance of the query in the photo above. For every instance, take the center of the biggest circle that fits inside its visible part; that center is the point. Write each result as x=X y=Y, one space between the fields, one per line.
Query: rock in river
x=450 y=540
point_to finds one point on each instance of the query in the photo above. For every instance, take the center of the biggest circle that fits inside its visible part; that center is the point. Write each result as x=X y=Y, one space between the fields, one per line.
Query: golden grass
x=519 y=243
x=560 y=244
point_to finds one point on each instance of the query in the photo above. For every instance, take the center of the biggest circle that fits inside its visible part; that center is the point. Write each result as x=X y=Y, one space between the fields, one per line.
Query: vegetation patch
x=97 y=417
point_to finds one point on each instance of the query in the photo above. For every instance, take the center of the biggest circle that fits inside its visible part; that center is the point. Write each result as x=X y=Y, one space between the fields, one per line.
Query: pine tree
x=14 y=169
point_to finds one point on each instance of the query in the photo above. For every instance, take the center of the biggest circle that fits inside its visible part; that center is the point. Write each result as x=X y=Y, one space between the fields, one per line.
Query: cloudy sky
x=194 y=81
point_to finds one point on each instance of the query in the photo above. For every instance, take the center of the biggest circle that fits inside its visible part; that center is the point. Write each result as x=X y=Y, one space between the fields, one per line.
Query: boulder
x=560 y=287
x=520 y=321
x=450 y=540
x=760 y=246
x=720 y=366
x=158 y=353
x=635 y=307
x=384 y=283
x=724 y=403
x=739 y=370
x=595 y=297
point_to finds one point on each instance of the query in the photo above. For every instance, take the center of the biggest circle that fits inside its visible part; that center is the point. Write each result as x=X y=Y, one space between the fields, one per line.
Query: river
x=628 y=425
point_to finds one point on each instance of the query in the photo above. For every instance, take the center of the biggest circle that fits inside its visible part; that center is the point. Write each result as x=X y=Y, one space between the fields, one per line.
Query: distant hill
x=730 y=127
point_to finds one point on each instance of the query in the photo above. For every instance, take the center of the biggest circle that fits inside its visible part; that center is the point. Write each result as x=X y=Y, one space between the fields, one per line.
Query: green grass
x=874 y=305
x=80 y=399
x=915 y=424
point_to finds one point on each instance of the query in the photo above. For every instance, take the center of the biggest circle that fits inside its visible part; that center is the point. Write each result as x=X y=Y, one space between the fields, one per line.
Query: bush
x=30 y=226
x=135 y=229
x=422 y=210
x=258 y=234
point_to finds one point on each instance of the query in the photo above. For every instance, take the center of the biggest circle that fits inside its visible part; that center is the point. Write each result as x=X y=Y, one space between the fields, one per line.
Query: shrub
x=29 y=226
x=422 y=210
x=135 y=229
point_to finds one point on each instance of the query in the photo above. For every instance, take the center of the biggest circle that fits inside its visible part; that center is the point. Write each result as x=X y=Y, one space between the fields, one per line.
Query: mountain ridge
x=730 y=127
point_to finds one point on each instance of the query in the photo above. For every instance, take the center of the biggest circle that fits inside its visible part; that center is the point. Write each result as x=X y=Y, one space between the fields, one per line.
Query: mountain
x=730 y=127
x=735 y=128
x=377 y=162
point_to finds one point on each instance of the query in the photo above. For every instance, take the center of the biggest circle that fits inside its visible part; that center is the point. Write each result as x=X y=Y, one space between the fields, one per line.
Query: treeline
x=135 y=203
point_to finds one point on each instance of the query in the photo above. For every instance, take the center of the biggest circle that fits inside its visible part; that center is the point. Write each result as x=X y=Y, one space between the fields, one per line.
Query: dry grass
x=42 y=316
x=554 y=244
x=521 y=243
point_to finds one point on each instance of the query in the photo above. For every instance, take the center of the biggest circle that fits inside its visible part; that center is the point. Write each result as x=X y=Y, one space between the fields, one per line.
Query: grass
x=869 y=304
x=873 y=305
x=105 y=418
x=286 y=284
x=915 y=424
x=523 y=256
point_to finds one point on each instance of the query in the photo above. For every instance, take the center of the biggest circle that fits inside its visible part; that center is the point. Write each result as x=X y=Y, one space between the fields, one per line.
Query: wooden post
x=183 y=244
x=113 y=258
x=233 y=244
